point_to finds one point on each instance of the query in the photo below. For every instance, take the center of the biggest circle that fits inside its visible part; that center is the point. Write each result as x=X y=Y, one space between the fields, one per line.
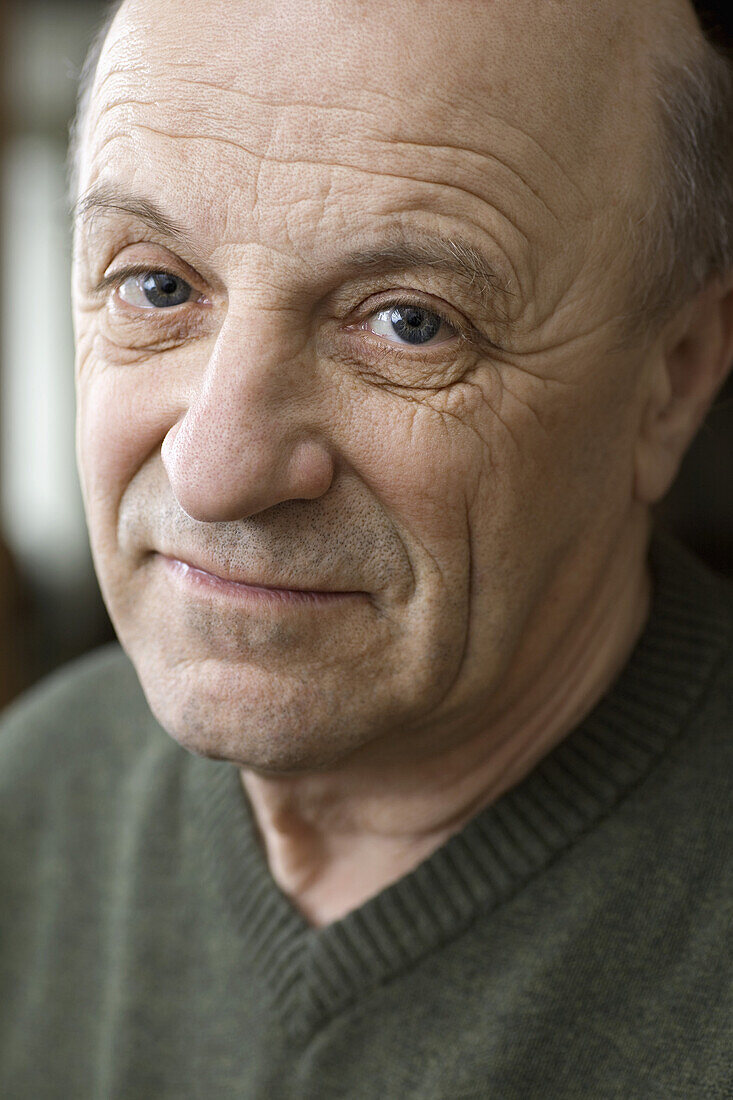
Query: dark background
x=50 y=608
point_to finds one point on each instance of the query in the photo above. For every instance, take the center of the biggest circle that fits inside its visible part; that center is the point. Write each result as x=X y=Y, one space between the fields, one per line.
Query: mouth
x=195 y=578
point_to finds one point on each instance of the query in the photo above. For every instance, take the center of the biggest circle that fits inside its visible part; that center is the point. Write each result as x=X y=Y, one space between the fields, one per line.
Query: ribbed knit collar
x=311 y=974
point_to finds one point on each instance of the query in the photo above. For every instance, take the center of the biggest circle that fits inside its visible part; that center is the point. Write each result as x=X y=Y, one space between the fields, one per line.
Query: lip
x=194 y=575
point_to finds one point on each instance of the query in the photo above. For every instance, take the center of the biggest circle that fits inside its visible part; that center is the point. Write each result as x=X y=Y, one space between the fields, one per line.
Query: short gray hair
x=685 y=239
x=83 y=96
x=688 y=237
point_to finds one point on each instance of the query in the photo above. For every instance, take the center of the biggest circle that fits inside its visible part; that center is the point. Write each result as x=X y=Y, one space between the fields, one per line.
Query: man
x=394 y=322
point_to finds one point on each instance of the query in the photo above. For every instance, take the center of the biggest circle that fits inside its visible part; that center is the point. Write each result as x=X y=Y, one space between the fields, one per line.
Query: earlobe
x=690 y=363
x=654 y=467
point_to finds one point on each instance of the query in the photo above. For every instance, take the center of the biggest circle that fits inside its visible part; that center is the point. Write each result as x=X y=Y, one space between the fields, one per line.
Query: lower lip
x=209 y=582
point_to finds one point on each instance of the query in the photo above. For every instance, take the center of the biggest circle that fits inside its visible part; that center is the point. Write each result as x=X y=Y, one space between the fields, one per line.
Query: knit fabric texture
x=572 y=941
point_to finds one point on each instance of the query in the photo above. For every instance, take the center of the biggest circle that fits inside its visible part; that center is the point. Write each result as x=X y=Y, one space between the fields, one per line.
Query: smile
x=202 y=581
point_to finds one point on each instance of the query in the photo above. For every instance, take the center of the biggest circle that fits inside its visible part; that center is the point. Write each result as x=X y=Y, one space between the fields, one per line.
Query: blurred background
x=50 y=607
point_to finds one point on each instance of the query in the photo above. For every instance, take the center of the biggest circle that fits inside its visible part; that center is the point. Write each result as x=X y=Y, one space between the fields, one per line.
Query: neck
x=335 y=838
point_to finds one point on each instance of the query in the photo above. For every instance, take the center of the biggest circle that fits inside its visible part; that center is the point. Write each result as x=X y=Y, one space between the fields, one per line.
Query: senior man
x=394 y=321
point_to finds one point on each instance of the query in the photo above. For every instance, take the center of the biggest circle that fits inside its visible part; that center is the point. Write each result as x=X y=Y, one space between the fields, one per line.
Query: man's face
x=320 y=395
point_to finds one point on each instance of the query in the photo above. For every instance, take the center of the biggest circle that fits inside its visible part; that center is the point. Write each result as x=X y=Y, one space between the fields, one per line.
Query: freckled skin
x=481 y=493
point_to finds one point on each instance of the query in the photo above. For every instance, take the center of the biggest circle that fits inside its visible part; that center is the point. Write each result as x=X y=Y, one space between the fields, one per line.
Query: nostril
x=311 y=470
x=167 y=444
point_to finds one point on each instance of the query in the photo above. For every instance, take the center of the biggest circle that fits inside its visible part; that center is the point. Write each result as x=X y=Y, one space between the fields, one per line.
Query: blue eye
x=155 y=290
x=410 y=325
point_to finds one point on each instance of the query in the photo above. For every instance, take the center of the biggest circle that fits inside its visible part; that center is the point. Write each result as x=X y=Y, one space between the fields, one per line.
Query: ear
x=691 y=361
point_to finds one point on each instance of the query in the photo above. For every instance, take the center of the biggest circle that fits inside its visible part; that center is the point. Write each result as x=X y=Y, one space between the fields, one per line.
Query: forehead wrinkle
x=488 y=49
x=487 y=158
x=275 y=104
x=272 y=126
x=426 y=179
x=274 y=133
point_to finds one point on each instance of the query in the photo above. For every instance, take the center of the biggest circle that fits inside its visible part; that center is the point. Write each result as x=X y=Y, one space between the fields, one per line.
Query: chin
x=274 y=728
x=269 y=754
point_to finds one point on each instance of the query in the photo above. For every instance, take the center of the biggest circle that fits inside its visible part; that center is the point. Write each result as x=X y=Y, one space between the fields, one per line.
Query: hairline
x=84 y=93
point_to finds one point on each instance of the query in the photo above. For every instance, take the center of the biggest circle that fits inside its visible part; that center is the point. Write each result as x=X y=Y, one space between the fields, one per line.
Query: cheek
x=421 y=463
x=114 y=436
x=561 y=439
x=123 y=415
x=555 y=487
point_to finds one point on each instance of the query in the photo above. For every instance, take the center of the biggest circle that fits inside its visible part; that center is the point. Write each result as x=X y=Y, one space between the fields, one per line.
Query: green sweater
x=572 y=941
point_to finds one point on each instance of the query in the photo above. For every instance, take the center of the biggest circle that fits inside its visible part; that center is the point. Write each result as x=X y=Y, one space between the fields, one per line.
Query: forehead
x=430 y=68
x=522 y=111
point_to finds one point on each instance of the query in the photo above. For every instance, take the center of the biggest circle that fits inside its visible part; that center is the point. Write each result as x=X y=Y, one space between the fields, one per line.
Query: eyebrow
x=452 y=255
x=105 y=198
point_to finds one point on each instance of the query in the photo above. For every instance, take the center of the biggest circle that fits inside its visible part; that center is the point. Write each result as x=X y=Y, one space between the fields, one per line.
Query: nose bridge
x=244 y=380
x=256 y=346
x=247 y=440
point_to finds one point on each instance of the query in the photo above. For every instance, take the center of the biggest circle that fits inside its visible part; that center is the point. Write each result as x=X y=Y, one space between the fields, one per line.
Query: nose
x=249 y=438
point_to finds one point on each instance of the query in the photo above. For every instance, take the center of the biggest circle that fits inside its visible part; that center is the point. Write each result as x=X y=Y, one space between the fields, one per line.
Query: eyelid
x=403 y=300
x=115 y=279
x=467 y=333
x=462 y=328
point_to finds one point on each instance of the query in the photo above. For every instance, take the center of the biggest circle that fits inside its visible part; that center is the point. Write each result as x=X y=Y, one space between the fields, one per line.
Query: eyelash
x=134 y=271
x=464 y=331
x=403 y=300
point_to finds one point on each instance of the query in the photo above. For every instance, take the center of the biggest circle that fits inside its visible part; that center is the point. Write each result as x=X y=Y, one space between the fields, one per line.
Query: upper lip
x=223 y=573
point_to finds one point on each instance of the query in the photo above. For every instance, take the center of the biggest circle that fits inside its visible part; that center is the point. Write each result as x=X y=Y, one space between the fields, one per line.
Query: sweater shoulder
x=90 y=711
